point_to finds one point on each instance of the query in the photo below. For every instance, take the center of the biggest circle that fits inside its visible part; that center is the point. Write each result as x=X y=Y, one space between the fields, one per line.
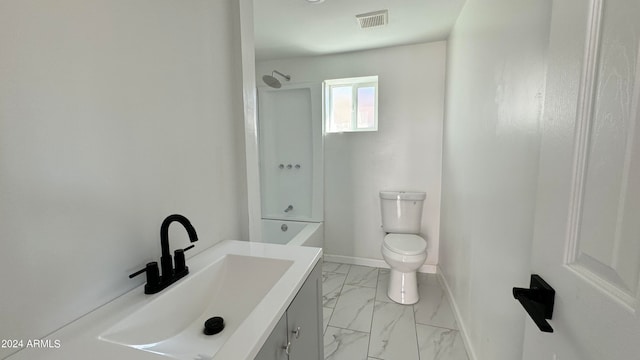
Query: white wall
x=405 y=154
x=113 y=115
x=495 y=84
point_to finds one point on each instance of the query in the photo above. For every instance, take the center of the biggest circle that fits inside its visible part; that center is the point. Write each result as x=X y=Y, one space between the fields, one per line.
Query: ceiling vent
x=373 y=19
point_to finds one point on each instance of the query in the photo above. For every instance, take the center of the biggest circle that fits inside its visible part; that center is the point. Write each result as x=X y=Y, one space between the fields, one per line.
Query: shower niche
x=290 y=146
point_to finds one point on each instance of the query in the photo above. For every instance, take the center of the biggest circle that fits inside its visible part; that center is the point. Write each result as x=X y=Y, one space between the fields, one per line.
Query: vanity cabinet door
x=274 y=347
x=298 y=334
x=304 y=319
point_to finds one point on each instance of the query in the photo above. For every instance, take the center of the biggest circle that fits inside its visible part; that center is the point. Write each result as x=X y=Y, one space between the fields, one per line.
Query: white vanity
x=269 y=296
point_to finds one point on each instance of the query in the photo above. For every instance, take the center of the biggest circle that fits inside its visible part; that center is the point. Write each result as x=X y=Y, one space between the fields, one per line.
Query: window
x=351 y=104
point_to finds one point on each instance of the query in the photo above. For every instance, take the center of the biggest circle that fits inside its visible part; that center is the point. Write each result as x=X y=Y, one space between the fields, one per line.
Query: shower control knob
x=281 y=166
x=289 y=166
x=297 y=166
x=287 y=348
x=297 y=332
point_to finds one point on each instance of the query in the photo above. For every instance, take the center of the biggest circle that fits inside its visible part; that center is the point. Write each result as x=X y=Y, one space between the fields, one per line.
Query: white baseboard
x=456 y=312
x=352 y=260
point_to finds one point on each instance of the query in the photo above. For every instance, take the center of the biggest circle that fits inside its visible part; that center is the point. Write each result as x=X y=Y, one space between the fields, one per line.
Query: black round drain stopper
x=213 y=325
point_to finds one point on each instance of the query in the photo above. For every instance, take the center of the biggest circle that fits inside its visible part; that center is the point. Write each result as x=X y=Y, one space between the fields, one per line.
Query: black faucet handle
x=153 y=276
x=179 y=260
x=137 y=273
x=189 y=247
x=149 y=267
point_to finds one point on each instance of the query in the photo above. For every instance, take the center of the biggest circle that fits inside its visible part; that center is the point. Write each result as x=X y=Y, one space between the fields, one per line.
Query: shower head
x=271 y=80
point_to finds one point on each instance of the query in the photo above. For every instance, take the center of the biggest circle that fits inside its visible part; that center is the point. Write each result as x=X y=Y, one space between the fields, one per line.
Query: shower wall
x=290 y=140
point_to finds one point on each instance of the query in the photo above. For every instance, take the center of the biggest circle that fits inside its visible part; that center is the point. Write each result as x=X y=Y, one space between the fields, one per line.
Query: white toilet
x=402 y=248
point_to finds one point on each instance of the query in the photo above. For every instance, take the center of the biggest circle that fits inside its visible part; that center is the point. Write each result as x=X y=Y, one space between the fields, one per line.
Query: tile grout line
x=333 y=309
x=437 y=327
x=375 y=294
x=342 y=328
x=415 y=326
x=333 y=312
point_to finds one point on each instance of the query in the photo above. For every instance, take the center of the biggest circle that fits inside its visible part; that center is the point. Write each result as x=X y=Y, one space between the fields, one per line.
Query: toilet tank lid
x=402 y=195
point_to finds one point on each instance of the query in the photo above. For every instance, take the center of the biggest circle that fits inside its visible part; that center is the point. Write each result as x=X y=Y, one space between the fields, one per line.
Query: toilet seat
x=405 y=244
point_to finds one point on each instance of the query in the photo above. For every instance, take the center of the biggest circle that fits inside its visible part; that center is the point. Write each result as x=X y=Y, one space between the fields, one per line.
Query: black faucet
x=170 y=274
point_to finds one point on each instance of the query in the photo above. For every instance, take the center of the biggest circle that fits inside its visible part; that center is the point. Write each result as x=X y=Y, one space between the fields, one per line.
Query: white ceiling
x=291 y=28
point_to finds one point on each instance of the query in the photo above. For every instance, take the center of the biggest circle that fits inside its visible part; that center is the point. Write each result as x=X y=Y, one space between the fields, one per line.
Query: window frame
x=355 y=83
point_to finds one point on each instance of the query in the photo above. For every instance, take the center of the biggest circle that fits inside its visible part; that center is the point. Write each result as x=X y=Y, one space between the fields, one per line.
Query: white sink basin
x=172 y=323
x=249 y=284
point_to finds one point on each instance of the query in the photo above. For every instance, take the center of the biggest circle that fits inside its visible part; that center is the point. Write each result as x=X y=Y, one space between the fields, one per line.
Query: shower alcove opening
x=291 y=153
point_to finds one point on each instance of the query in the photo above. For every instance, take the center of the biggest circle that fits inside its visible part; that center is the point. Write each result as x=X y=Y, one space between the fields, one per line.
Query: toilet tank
x=401 y=211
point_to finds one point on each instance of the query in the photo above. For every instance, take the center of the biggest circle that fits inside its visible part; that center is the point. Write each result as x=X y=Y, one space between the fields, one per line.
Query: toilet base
x=403 y=287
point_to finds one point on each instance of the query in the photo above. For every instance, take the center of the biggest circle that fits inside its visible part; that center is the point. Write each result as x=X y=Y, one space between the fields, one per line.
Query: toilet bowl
x=402 y=248
x=404 y=253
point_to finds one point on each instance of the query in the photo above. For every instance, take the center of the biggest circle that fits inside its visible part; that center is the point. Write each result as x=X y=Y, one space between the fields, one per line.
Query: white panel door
x=587 y=229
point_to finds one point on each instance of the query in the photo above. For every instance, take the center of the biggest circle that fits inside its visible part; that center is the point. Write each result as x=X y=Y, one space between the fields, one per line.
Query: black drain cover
x=213 y=325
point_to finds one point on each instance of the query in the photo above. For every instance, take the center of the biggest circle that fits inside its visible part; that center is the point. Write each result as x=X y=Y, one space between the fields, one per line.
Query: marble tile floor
x=362 y=323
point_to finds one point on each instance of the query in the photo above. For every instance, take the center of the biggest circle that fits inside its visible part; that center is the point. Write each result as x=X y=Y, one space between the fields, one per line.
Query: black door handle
x=538 y=301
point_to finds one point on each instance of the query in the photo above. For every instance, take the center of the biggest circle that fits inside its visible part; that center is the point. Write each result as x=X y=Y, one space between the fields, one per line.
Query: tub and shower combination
x=291 y=155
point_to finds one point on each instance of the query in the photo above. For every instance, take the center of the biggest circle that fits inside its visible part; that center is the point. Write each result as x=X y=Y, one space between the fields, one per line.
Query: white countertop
x=81 y=338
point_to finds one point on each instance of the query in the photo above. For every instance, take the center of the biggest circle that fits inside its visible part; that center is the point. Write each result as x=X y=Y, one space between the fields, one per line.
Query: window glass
x=342 y=100
x=351 y=104
x=366 y=107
